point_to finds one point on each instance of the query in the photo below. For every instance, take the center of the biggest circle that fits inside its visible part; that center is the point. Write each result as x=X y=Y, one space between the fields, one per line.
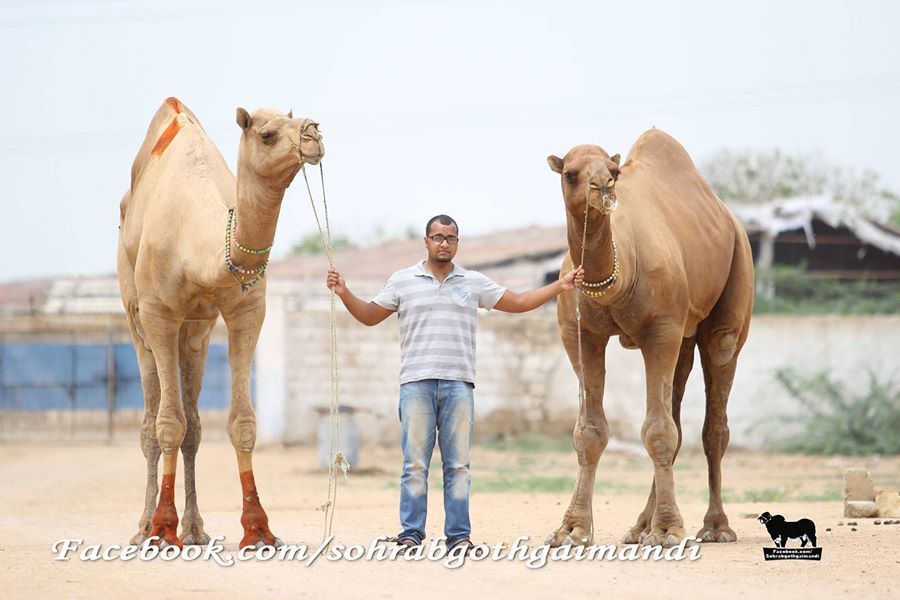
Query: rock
x=860 y=510
x=853 y=529
x=828 y=529
x=851 y=523
x=840 y=523
x=888 y=503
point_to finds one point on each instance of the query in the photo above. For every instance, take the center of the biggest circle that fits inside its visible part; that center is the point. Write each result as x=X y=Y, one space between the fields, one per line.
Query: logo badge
x=781 y=531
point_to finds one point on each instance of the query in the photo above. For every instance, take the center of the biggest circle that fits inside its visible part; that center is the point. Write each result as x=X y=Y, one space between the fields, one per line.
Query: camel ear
x=243 y=118
x=616 y=159
x=291 y=114
x=555 y=162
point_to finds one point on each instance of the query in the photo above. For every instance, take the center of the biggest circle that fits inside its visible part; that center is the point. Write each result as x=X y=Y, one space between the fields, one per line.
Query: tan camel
x=669 y=269
x=184 y=258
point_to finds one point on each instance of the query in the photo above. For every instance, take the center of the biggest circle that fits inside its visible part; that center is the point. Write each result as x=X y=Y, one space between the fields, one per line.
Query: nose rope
x=336 y=459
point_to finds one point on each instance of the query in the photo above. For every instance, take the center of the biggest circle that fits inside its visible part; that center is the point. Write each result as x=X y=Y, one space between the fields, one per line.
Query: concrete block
x=860 y=509
x=858 y=486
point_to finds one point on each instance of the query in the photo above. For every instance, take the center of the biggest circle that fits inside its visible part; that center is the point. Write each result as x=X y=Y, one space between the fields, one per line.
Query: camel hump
x=170 y=118
x=658 y=148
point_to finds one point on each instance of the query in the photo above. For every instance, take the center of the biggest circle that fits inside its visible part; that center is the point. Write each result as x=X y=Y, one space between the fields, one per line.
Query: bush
x=795 y=292
x=840 y=422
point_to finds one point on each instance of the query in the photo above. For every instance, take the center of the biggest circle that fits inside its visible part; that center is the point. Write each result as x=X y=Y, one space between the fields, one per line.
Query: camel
x=193 y=244
x=668 y=270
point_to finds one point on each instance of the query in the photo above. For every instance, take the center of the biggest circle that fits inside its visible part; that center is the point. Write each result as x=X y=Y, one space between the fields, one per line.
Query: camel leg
x=161 y=332
x=682 y=369
x=149 y=445
x=661 y=347
x=193 y=346
x=590 y=439
x=244 y=324
x=720 y=339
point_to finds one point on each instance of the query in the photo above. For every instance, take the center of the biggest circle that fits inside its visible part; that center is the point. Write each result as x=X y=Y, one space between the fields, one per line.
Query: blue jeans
x=449 y=408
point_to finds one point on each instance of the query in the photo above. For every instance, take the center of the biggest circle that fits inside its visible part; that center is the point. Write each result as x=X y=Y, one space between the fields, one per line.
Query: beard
x=442 y=259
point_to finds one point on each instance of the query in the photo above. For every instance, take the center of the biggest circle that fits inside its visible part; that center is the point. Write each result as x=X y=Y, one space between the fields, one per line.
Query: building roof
x=379 y=262
x=508 y=256
x=799 y=213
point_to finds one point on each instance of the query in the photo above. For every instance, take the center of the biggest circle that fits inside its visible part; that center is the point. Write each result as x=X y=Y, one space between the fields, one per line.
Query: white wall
x=525 y=381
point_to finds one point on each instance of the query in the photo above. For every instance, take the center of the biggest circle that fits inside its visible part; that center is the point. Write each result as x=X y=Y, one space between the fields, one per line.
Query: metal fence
x=85 y=389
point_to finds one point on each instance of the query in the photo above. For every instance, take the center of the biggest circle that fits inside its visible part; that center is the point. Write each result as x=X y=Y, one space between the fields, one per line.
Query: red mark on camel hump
x=174 y=104
x=172 y=130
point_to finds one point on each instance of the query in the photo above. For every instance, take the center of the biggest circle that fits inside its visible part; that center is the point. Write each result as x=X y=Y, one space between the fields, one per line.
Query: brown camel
x=184 y=258
x=669 y=269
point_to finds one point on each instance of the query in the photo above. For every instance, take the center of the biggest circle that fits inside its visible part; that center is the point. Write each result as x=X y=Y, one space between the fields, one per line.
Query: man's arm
x=518 y=303
x=367 y=313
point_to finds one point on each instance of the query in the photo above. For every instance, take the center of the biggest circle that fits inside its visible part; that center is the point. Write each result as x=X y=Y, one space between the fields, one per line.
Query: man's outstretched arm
x=518 y=303
x=367 y=313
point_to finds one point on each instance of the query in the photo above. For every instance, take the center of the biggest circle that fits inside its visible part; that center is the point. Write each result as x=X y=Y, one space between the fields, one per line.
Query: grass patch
x=778 y=495
x=829 y=495
x=536 y=485
x=530 y=443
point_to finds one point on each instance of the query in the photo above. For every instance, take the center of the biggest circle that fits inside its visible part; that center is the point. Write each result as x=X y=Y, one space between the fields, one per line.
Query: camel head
x=588 y=174
x=275 y=146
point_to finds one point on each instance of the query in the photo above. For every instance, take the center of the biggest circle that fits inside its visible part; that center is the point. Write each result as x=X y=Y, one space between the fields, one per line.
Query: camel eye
x=267 y=136
x=571 y=176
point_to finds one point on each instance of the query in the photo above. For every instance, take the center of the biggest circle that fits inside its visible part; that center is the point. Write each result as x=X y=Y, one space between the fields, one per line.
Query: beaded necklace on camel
x=231 y=235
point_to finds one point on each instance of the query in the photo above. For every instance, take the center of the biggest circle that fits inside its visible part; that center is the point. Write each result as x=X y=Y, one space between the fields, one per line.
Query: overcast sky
x=426 y=107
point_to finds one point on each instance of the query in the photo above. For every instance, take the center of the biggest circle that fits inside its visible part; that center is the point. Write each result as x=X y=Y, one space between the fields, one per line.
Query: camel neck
x=599 y=252
x=256 y=217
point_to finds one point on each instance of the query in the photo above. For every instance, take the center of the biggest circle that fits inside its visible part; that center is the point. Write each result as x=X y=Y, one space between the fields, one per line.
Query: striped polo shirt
x=437 y=320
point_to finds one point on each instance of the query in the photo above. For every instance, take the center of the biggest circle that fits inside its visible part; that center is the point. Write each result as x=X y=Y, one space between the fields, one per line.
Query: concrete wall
x=525 y=382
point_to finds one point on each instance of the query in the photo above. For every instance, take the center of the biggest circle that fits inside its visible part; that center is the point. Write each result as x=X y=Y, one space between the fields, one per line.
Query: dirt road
x=94 y=492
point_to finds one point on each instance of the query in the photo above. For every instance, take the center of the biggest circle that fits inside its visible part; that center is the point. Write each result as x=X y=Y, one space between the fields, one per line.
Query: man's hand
x=572 y=279
x=336 y=281
x=367 y=313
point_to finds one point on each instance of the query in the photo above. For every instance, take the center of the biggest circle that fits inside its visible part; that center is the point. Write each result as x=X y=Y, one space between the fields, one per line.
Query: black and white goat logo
x=782 y=531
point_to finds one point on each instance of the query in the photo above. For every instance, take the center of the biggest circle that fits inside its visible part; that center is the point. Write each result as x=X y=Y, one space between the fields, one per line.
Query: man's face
x=442 y=251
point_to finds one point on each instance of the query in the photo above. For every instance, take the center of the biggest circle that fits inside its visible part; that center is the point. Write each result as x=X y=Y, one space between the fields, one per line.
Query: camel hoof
x=278 y=543
x=163 y=544
x=724 y=535
x=200 y=540
x=671 y=541
x=138 y=539
x=648 y=540
x=567 y=541
x=630 y=538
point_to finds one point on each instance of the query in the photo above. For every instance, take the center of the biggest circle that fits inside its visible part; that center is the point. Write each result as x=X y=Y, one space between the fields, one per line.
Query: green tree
x=763 y=176
x=311 y=243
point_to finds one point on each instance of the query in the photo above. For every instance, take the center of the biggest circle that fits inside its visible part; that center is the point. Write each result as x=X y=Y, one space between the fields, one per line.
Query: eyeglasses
x=439 y=239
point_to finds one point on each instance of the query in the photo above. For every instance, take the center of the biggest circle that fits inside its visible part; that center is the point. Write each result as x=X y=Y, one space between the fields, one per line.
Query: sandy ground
x=94 y=492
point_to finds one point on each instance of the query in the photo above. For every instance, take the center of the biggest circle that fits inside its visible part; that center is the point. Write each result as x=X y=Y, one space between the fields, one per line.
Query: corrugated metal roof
x=798 y=213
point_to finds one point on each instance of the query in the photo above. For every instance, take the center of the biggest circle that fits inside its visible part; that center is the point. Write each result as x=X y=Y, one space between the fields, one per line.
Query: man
x=437 y=302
